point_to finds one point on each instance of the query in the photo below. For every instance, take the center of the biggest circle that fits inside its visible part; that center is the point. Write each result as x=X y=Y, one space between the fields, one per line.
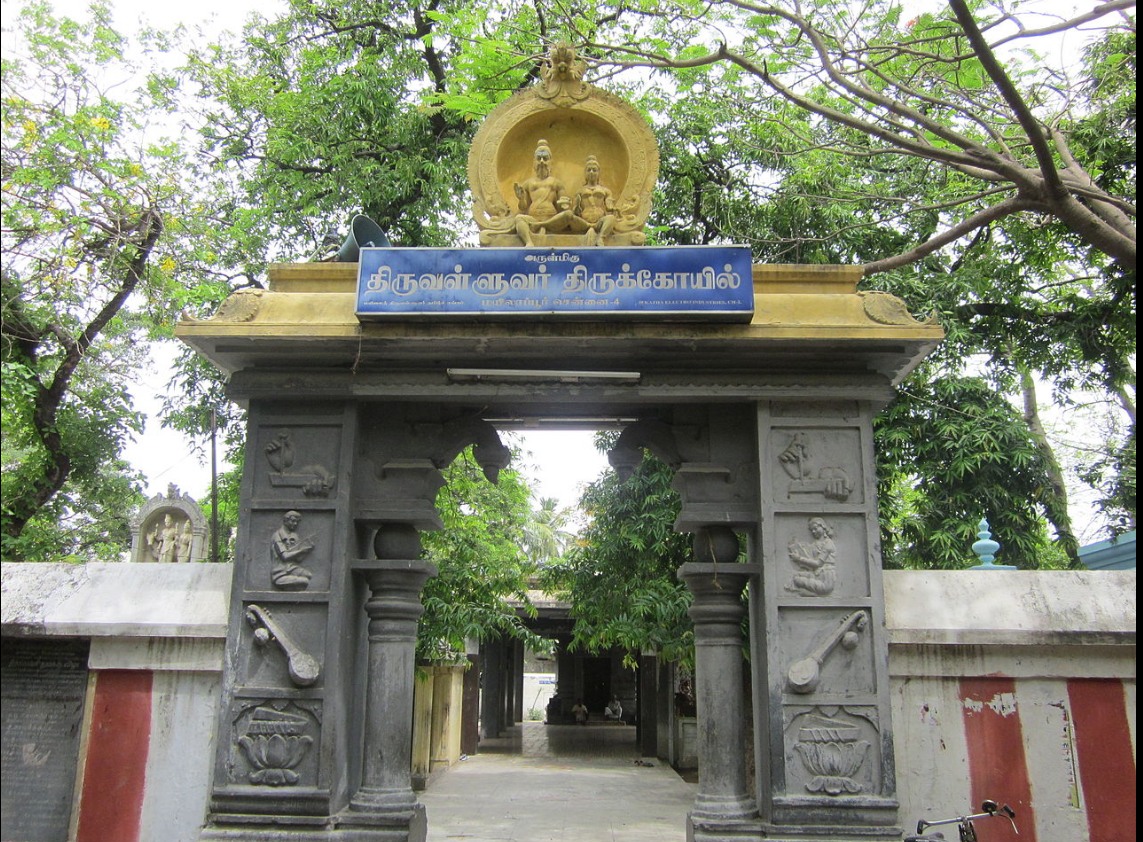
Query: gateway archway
x=769 y=427
x=757 y=384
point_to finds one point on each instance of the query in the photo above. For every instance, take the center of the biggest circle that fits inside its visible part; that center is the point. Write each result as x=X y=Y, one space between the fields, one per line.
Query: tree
x=963 y=177
x=546 y=536
x=328 y=111
x=480 y=591
x=620 y=576
x=317 y=115
x=950 y=451
x=934 y=88
x=87 y=190
x=935 y=152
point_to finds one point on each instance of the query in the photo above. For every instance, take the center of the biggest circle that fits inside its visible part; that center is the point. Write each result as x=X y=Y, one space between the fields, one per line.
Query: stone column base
x=785 y=833
x=724 y=830
x=403 y=826
x=408 y=826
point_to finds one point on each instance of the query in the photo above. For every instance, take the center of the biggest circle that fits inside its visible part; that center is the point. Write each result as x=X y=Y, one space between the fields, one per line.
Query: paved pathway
x=543 y=783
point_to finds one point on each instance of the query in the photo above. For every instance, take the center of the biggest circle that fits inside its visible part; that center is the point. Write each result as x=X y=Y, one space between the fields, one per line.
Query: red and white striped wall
x=149 y=743
x=1060 y=751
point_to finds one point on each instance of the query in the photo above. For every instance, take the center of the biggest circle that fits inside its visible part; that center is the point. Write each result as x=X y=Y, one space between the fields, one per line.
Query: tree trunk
x=1056 y=499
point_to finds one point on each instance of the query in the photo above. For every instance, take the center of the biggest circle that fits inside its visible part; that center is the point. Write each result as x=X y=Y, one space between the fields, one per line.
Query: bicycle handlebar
x=990 y=811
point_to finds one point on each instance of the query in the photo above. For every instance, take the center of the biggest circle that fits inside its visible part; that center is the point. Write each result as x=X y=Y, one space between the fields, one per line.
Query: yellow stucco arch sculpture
x=563 y=163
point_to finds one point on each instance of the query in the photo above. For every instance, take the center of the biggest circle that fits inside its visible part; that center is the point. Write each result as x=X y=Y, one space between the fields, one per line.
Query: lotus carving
x=833 y=753
x=275 y=746
x=275 y=757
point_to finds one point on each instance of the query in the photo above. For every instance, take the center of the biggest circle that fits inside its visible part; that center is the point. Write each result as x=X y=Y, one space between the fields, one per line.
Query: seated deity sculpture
x=817 y=561
x=595 y=205
x=544 y=206
x=288 y=549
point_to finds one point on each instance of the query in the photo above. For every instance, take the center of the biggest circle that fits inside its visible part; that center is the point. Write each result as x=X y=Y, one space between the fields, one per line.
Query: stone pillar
x=385 y=796
x=517 y=683
x=648 y=704
x=565 y=682
x=507 y=683
x=470 y=729
x=491 y=654
x=724 y=808
x=824 y=735
x=446 y=719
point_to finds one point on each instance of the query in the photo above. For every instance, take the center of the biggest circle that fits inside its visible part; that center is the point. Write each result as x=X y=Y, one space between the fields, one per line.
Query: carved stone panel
x=401 y=452
x=827 y=652
x=282 y=646
x=290 y=551
x=274 y=743
x=817 y=464
x=296 y=462
x=821 y=556
x=832 y=751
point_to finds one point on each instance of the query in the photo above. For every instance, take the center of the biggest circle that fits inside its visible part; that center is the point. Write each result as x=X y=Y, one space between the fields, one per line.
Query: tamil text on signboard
x=705 y=282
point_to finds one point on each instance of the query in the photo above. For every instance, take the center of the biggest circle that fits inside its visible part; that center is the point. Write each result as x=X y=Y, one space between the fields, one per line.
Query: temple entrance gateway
x=765 y=415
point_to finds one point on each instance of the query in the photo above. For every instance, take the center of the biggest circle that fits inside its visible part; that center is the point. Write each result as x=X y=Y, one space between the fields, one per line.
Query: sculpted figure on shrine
x=563 y=164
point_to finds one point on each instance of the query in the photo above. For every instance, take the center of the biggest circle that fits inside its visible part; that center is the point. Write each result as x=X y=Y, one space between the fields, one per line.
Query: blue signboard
x=679 y=282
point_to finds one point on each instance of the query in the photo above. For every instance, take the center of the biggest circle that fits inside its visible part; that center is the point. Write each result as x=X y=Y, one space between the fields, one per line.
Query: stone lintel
x=839 y=317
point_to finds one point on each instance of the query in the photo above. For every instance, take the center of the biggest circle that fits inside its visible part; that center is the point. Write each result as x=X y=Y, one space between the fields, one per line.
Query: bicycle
x=990 y=810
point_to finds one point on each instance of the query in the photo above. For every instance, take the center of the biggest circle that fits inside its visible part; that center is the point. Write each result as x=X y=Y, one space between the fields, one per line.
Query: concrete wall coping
x=949 y=607
x=1013 y=607
x=115 y=600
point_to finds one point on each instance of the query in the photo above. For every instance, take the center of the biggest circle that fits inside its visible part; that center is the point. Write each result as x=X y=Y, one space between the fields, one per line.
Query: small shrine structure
x=169 y=528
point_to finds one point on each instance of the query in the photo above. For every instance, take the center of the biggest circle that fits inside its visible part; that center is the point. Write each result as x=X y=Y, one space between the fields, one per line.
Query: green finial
x=986 y=549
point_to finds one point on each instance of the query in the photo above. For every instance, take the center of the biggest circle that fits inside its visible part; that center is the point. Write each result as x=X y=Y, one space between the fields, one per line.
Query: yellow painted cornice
x=306 y=317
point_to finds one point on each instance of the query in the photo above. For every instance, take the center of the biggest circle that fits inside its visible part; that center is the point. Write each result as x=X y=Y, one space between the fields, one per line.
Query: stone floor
x=541 y=783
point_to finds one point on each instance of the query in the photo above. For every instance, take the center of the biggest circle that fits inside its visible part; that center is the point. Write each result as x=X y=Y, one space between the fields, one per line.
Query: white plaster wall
x=931 y=755
x=169 y=620
x=989 y=608
x=1039 y=629
x=1050 y=751
x=115 y=600
x=183 y=708
x=186 y=677
x=539 y=687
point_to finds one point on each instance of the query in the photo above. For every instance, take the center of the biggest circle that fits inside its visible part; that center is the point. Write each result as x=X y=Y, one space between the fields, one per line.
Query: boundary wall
x=1016 y=686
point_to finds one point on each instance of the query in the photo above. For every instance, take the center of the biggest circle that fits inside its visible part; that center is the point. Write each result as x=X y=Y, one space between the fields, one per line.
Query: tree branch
x=1063 y=26
x=977 y=220
x=1023 y=114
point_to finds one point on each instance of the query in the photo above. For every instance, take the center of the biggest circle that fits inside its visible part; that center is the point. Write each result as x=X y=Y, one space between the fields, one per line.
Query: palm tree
x=546 y=535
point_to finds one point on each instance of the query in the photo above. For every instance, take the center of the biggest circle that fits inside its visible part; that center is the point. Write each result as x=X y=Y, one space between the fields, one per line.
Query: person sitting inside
x=614 y=710
x=579 y=710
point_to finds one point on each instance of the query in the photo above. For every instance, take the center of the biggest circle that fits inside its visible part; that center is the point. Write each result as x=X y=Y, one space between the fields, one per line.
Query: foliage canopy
x=970 y=172
x=619 y=578
x=89 y=190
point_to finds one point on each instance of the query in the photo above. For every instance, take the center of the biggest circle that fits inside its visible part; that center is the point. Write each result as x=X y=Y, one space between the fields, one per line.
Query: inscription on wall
x=43 y=688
